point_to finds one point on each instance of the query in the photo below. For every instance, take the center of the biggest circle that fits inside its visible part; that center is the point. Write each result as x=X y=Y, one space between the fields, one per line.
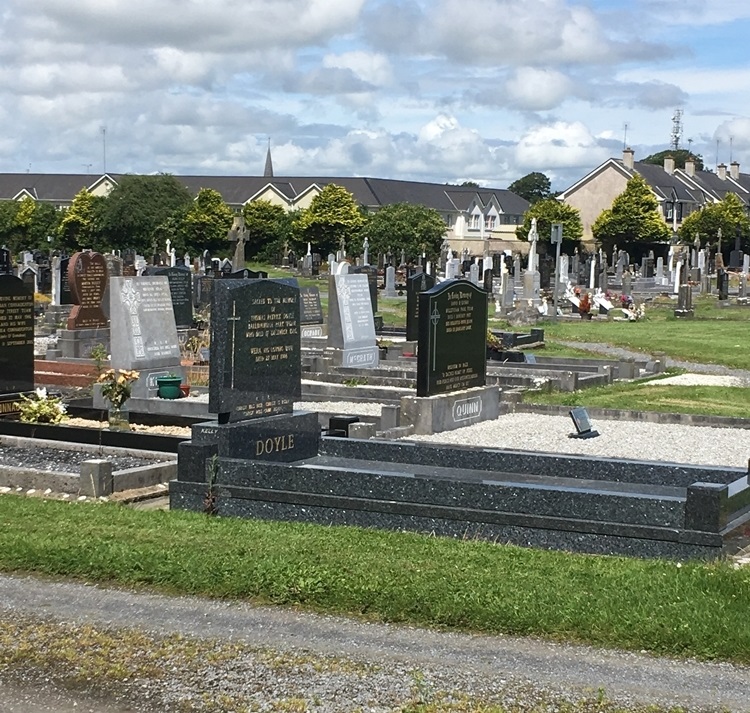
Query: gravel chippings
x=697 y=445
x=64 y=460
x=188 y=653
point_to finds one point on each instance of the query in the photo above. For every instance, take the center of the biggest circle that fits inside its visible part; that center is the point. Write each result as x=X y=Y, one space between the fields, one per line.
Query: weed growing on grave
x=42 y=407
x=117 y=385
x=100 y=357
x=355 y=381
x=211 y=501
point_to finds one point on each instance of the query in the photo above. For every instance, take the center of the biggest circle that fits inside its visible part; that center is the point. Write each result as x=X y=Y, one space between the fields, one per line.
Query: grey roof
x=237 y=190
x=718 y=188
x=666 y=185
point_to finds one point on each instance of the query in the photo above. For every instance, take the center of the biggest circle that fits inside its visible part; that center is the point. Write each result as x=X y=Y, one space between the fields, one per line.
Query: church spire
x=268 y=170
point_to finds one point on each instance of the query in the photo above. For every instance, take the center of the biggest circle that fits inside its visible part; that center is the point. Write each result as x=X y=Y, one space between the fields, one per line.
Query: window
x=489 y=222
x=474 y=221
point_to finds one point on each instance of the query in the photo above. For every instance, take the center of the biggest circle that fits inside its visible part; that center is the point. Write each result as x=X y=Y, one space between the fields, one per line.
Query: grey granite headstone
x=255 y=367
x=143 y=333
x=351 y=327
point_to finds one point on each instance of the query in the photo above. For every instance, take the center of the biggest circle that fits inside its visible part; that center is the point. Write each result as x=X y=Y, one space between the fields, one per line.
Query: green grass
x=714 y=336
x=704 y=400
x=696 y=609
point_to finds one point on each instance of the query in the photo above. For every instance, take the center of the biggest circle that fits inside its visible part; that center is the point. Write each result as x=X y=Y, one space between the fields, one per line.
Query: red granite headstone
x=87 y=277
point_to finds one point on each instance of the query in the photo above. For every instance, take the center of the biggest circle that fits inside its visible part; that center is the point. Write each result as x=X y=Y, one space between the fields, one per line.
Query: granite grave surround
x=543 y=500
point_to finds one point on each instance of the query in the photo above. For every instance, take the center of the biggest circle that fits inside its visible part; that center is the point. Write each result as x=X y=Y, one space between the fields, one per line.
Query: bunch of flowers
x=117 y=385
x=42 y=408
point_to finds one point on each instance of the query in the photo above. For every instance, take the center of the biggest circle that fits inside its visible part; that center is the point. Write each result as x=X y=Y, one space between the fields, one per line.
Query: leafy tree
x=25 y=225
x=405 y=226
x=728 y=216
x=533 y=187
x=679 y=156
x=80 y=224
x=633 y=217
x=206 y=223
x=268 y=227
x=469 y=184
x=333 y=217
x=138 y=206
x=550 y=211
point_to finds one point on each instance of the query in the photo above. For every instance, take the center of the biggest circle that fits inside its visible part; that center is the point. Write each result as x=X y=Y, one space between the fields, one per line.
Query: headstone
x=203 y=289
x=372 y=281
x=87 y=277
x=28 y=275
x=16 y=336
x=311 y=312
x=181 y=291
x=722 y=284
x=255 y=368
x=414 y=285
x=685 y=302
x=390 y=282
x=452 y=352
x=6 y=264
x=627 y=284
x=351 y=327
x=735 y=259
x=143 y=334
x=746 y=264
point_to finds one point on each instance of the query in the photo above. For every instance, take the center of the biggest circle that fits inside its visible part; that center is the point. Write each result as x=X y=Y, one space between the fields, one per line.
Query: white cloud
x=537 y=89
x=557 y=145
x=373 y=68
x=697 y=12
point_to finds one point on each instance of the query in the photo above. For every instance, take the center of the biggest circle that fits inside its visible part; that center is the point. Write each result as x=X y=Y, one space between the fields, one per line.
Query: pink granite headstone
x=87 y=277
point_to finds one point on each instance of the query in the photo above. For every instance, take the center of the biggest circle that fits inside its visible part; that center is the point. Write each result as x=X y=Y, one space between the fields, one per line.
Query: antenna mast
x=625 y=136
x=676 y=130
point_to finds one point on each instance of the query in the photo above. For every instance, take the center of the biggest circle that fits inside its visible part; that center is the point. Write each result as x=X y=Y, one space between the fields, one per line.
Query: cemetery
x=230 y=357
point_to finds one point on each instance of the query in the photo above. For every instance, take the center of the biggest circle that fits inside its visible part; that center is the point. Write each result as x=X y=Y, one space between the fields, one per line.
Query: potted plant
x=584 y=306
x=169 y=386
x=117 y=385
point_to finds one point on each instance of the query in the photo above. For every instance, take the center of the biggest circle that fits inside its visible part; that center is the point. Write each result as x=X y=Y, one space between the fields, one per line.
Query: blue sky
x=443 y=91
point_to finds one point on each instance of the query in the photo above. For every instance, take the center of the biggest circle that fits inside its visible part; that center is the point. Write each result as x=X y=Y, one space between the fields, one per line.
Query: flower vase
x=118 y=419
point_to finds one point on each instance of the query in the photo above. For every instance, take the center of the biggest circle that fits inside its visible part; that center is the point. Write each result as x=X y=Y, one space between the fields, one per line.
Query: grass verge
x=732 y=402
x=693 y=609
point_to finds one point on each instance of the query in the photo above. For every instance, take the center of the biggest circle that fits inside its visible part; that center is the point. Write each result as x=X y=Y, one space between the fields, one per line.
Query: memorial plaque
x=16 y=336
x=143 y=333
x=415 y=284
x=181 y=291
x=351 y=326
x=255 y=367
x=311 y=311
x=452 y=352
x=87 y=277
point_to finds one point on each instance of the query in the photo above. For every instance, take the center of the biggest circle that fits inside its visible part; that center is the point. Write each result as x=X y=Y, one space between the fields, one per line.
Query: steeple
x=268 y=170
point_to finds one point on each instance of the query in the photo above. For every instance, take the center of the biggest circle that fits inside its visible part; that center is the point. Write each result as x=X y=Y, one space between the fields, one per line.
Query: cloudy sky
x=432 y=90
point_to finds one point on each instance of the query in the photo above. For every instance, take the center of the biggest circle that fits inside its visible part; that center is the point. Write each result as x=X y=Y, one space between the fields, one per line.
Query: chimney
x=627 y=157
x=721 y=171
x=734 y=170
x=690 y=166
x=669 y=164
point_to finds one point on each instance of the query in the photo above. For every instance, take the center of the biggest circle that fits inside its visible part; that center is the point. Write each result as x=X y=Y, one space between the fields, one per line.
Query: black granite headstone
x=311 y=311
x=6 y=267
x=181 y=291
x=255 y=367
x=722 y=284
x=16 y=336
x=372 y=282
x=414 y=285
x=452 y=352
x=245 y=274
x=66 y=298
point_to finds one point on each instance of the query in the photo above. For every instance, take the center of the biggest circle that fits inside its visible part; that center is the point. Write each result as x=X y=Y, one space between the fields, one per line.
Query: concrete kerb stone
x=93 y=478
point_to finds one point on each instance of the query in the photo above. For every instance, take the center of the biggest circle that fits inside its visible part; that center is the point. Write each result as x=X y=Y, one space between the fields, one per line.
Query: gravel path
x=699 y=445
x=332 y=664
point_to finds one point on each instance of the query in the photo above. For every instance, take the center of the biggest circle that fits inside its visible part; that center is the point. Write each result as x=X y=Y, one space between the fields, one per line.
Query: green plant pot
x=169 y=387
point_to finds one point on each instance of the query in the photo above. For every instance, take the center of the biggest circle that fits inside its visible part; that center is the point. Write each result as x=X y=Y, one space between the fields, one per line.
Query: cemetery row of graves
x=272 y=345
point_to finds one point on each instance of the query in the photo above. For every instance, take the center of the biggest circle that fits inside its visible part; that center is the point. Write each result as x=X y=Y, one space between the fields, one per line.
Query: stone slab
x=447 y=412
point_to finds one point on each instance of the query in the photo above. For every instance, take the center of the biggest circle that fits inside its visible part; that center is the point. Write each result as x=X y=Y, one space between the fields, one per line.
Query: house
x=677 y=196
x=476 y=219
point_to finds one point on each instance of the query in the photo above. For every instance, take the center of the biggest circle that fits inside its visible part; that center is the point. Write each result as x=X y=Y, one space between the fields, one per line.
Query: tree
x=80 y=224
x=268 y=227
x=728 y=216
x=25 y=225
x=332 y=218
x=533 y=187
x=550 y=211
x=679 y=156
x=633 y=217
x=206 y=223
x=404 y=226
x=138 y=206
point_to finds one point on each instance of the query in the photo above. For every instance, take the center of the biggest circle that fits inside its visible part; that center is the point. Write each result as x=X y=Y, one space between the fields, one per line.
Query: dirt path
x=471 y=664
